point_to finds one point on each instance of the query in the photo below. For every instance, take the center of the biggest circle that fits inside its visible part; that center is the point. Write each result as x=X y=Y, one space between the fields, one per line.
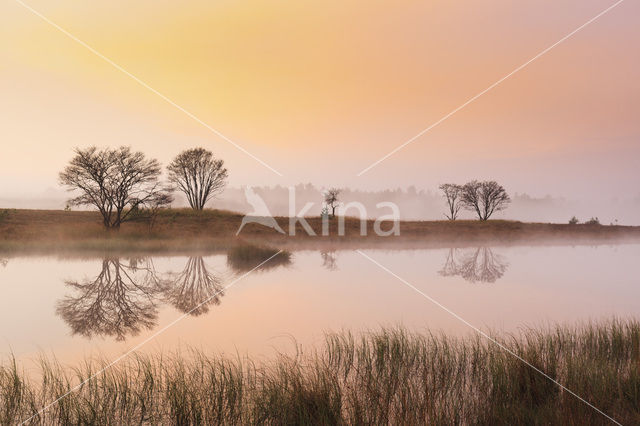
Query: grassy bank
x=391 y=376
x=177 y=230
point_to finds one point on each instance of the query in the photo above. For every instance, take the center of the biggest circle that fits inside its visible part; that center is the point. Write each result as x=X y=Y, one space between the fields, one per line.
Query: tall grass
x=389 y=376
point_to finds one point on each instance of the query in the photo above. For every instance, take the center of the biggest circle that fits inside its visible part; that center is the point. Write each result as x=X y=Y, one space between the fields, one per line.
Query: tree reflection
x=118 y=302
x=195 y=288
x=122 y=300
x=329 y=259
x=474 y=265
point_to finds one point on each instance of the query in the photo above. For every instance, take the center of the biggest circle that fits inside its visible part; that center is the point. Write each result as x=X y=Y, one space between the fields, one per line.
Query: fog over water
x=78 y=306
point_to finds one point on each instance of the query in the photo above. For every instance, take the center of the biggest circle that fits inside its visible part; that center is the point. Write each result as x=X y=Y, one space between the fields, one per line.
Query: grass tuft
x=389 y=376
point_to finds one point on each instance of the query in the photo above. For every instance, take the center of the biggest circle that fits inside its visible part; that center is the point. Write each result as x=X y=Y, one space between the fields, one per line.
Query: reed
x=387 y=376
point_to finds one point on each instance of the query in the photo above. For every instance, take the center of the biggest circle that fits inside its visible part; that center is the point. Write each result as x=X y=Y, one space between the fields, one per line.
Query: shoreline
x=210 y=231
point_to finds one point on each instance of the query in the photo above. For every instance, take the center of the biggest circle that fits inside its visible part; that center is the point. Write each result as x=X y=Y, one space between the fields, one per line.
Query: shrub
x=593 y=221
x=574 y=221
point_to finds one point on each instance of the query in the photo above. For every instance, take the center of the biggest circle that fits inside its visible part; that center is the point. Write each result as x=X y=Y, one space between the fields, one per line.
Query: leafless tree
x=485 y=198
x=115 y=181
x=195 y=288
x=452 y=194
x=118 y=302
x=198 y=175
x=331 y=199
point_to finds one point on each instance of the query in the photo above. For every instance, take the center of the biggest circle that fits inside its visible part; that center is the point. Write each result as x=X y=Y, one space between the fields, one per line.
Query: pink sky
x=319 y=91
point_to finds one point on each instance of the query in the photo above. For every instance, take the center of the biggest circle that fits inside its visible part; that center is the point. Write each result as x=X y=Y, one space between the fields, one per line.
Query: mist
x=413 y=203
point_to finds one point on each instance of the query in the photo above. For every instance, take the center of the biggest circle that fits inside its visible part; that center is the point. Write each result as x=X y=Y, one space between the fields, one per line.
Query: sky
x=321 y=90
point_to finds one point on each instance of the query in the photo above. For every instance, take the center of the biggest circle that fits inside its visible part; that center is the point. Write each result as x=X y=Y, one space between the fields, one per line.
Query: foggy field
x=315 y=213
x=387 y=376
x=177 y=230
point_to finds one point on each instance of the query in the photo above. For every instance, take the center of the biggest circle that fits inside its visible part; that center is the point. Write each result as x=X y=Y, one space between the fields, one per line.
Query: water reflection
x=329 y=259
x=123 y=299
x=125 y=296
x=251 y=258
x=195 y=288
x=474 y=265
x=117 y=303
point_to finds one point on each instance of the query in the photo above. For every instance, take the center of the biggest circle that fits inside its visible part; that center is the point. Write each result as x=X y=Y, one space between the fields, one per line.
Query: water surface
x=76 y=307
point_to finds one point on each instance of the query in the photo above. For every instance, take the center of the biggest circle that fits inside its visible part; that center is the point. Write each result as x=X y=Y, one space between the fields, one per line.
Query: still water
x=77 y=307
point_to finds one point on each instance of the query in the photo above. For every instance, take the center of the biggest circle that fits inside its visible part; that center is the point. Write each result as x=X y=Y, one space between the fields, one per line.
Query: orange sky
x=320 y=90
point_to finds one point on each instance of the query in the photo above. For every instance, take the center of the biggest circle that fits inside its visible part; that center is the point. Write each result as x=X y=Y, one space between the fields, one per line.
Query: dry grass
x=387 y=377
x=184 y=229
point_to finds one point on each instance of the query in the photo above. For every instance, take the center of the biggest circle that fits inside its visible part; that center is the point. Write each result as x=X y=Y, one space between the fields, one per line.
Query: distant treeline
x=417 y=204
x=414 y=204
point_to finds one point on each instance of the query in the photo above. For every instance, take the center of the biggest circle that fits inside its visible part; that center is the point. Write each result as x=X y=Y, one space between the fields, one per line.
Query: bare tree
x=485 y=198
x=116 y=181
x=452 y=194
x=198 y=175
x=470 y=197
x=331 y=199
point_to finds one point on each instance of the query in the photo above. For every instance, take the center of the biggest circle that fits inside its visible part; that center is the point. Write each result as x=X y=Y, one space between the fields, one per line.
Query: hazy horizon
x=413 y=203
x=323 y=105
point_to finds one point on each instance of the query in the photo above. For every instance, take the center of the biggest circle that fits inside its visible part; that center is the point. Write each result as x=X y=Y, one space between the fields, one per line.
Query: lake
x=73 y=307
